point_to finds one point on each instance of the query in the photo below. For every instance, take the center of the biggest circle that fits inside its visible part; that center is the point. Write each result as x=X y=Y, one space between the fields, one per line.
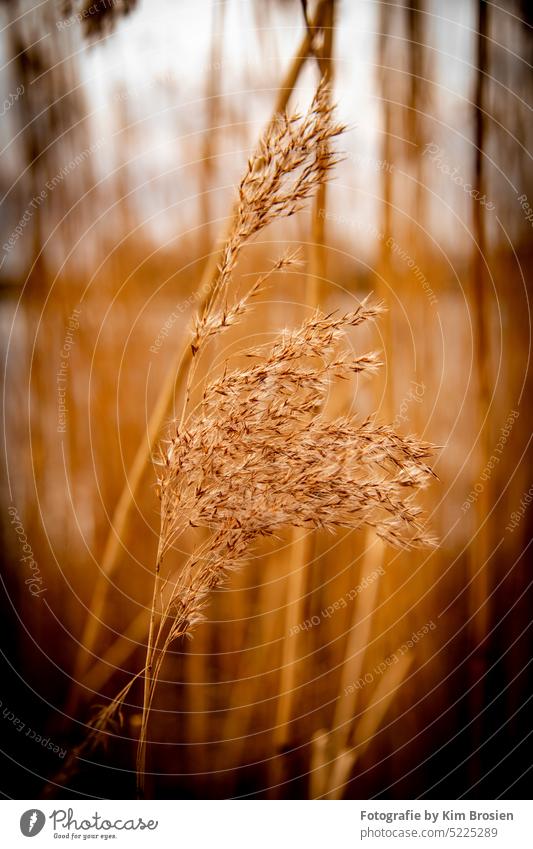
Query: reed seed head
x=258 y=456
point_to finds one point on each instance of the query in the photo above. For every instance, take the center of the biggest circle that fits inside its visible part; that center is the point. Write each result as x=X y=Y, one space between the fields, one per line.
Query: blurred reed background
x=332 y=666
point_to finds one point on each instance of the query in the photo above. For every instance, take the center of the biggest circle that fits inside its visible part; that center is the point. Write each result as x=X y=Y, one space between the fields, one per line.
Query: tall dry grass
x=257 y=454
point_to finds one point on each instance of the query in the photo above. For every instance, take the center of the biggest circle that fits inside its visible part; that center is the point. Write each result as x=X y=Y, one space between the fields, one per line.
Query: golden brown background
x=125 y=128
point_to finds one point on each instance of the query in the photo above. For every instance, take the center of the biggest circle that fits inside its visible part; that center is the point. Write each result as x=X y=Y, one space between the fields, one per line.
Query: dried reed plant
x=292 y=159
x=175 y=376
x=255 y=458
x=257 y=454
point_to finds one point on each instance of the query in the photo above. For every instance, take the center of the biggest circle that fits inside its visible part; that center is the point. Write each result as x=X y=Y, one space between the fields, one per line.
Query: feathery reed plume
x=255 y=458
x=256 y=455
x=292 y=159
